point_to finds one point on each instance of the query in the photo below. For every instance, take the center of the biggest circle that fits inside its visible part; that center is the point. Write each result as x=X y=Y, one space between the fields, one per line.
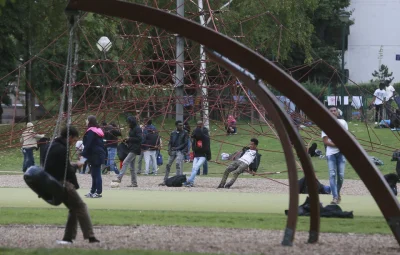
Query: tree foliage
x=382 y=75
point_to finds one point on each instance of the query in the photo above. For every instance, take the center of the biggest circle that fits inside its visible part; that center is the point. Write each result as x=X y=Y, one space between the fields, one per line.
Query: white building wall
x=377 y=23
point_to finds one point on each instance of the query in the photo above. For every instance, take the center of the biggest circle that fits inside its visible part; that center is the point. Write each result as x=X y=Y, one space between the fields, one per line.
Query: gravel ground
x=204 y=240
x=194 y=239
x=203 y=184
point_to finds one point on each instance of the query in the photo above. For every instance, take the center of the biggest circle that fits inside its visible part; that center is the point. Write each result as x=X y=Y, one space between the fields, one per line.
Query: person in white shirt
x=29 y=143
x=379 y=98
x=248 y=159
x=336 y=161
x=390 y=93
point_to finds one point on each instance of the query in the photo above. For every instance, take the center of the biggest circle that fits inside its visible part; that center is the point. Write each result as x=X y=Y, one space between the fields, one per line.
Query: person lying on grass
x=57 y=161
x=249 y=159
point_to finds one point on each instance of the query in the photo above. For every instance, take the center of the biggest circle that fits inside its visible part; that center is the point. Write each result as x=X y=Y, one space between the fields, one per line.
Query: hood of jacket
x=131 y=121
x=96 y=130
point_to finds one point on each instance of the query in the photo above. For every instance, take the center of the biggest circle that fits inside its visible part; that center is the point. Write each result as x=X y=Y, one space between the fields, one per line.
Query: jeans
x=111 y=159
x=336 y=165
x=205 y=168
x=197 y=163
x=187 y=155
x=150 y=158
x=97 y=182
x=179 y=166
x=28 y=158
x=139 y=163
x=77 y=213
x=129 y=160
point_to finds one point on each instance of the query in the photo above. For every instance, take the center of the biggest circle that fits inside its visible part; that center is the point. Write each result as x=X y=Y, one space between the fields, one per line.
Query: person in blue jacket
x=95 y=153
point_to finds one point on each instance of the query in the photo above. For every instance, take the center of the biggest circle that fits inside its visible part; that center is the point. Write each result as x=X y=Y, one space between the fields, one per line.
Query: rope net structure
x=137 y=76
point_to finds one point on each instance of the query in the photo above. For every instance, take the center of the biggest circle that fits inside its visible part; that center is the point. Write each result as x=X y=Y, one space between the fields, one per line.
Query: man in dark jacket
x=150 y=147
x=206 y=133
x=56 y=163
x=111 y=136
x=134 y=142
x=177 y=147
x=202 y=153
x=250 y=159
x=145 y=130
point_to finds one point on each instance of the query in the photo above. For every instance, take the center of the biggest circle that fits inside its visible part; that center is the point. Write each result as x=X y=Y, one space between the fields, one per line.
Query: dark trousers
x=97 y=182
x=378 y=112
x=236 y=168
x=77 y=213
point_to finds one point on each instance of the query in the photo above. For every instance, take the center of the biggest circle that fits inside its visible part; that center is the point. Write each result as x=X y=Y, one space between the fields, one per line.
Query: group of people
x=383 y=98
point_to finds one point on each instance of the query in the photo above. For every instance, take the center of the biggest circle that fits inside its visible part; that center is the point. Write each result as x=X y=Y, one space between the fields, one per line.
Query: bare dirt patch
x=203 y=184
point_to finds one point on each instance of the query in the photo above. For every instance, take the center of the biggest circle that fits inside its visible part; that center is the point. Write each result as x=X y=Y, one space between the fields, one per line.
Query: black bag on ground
x=329 y=211
x=44 y=185
x=175 y=181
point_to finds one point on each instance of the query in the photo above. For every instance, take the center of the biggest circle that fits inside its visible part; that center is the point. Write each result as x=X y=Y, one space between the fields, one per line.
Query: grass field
x=379 y=143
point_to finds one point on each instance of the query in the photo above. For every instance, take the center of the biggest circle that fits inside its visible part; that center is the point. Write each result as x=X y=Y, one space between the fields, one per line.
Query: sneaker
x=339 y=199
x=228 y=186
x=93 y=240
x=161 y=184
x=188 y=184
x=139 y=172
x=64 y=242
x=155 y=173
x=221 y=186
x=334 y=201
x=117 y=180
x=89 y=195
x=132 y=185
x=95 y=195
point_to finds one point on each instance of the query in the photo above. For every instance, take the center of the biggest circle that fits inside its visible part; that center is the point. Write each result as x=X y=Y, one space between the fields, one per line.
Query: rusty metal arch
x=285 y=129
x=267 y=71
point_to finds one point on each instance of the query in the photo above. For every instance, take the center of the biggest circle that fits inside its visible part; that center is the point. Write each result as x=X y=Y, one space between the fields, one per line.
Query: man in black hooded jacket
x=134 y=142
x=55 y=165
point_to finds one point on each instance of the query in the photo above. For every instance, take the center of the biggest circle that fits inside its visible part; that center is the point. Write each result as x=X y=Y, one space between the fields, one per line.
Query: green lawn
x=379 y=141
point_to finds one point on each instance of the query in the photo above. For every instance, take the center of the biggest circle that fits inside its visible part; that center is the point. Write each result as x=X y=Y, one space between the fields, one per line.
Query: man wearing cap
x=29 y=143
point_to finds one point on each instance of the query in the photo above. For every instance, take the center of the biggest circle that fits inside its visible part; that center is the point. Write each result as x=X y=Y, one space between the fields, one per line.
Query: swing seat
x=44 y=185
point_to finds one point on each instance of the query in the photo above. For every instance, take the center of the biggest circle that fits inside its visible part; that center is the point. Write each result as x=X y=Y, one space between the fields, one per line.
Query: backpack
x=392 y=180
x=175 y=181
x=159 y=159
x=376 y=161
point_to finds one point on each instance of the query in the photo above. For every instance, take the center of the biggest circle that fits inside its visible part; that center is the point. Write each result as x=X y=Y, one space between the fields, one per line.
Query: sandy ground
x=202 y=184
x=204 y=240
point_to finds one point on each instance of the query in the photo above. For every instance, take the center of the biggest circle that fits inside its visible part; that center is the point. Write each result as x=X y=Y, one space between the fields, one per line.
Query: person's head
x=382 y=85
x=199 y=124
x=334 y=111
x=112 y=123
x=91 y=121
x=73 y=135
x=253 y=144
x=149 y=122
x=132 y=122
x=179 y=125
x=29 y=125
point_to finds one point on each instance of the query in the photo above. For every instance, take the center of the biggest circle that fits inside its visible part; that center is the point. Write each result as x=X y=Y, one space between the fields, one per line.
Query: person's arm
x=327 y=142
x=88 y=142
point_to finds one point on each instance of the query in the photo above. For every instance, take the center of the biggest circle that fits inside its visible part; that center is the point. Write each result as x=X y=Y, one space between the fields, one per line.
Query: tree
x=382 y=75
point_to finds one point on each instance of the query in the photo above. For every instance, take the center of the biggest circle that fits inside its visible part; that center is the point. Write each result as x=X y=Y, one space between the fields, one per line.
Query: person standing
x=29 y=143
x=202 y=153
x=177 y=147
x=336 y=161
x=390 y=94
x=56 y=165
x=111 y=136
x=150 y=147
x=379 y=98
x=145 y=129
x=206 y=133
x=95 y=153
x=134 y=142
x=250 y=159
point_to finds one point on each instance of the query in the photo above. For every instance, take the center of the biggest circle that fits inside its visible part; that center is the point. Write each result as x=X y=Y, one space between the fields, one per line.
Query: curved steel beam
x=280 y=128
x=267 y=71
x=284 y=124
